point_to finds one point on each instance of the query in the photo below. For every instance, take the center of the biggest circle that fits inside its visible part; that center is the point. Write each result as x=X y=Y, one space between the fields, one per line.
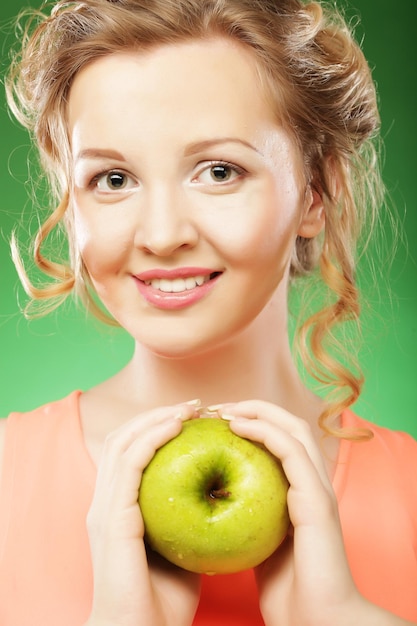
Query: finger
x=118 y=441
x=310 y=495
x=121 y=438
x=128 y=450
x=275 y=415
x=127 y=477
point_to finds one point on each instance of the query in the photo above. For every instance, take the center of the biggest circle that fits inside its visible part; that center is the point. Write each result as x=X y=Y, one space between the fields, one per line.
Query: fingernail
x=214 y=407
x=227 y=417
x=196 y=402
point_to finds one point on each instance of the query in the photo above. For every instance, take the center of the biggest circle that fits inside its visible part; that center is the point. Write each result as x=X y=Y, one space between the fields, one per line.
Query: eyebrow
x=99 y=153
x=199 y=146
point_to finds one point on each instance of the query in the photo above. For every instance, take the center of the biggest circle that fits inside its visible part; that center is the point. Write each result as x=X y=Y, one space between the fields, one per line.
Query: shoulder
x=389 y=454
x=391 y=443
x=28 y=425
x=47 y=415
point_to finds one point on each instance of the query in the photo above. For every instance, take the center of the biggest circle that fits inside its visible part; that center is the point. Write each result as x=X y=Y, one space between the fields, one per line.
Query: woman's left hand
x=307 y=581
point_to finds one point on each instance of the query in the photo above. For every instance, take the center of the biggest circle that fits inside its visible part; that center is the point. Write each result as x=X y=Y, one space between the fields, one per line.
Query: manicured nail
x=196 y=402
x=213 y=408
x=227 y=417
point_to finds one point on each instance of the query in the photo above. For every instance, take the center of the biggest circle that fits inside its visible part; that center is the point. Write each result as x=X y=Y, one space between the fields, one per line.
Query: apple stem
x=215 y=489
x=217 y=494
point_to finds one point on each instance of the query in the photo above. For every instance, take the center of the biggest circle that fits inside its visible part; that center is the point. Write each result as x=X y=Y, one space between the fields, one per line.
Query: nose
x=165 y=224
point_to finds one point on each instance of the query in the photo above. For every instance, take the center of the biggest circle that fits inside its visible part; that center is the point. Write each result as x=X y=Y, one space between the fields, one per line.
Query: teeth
x=177 y=284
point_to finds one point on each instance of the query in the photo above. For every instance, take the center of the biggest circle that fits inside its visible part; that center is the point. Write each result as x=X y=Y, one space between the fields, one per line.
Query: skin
x=205 y=223
x=230 y=347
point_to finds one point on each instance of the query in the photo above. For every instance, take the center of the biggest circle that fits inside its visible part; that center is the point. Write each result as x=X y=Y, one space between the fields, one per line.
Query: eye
x=113 y=180
x=219 y=172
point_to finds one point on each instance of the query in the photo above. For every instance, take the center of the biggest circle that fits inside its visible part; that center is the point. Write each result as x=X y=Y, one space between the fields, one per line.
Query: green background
x=45 y=359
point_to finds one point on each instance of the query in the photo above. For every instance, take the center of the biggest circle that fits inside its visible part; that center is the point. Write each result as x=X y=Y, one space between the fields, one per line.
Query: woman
x=205 y=155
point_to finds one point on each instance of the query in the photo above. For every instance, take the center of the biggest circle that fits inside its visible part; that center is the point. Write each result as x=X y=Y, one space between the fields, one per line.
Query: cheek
x=82 y=232
x=101 y=243
x=262 y=230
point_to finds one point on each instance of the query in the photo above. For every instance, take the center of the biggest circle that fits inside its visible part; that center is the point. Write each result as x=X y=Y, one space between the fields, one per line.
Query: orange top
x=47 y=486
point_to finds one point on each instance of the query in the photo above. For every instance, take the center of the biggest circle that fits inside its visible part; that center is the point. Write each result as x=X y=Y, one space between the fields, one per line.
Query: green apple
x=213 y=502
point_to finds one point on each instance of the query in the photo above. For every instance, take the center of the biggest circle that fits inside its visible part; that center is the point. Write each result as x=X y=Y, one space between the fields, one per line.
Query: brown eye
x=221 y=173
x=113 y=181
x=216 y=173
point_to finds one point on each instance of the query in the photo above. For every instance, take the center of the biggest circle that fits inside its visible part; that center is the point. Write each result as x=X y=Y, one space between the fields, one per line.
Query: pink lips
x=177 y=288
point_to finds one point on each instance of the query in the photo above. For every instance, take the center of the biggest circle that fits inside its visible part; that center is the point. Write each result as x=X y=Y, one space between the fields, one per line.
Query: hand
x=307 y=581
x=129 y=589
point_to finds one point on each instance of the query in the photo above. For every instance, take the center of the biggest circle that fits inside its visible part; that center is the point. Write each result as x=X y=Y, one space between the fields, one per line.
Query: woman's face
x=187 y=195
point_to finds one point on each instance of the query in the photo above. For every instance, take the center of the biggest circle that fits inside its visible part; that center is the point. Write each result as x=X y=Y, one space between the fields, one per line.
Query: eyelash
x=94 y=181
x=240 y=171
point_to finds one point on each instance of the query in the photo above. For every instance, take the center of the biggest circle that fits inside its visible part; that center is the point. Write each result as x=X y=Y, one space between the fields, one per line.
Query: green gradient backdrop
x=45 y=359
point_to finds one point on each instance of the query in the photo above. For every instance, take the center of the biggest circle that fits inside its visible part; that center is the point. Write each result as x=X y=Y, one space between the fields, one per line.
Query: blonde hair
x=320 y=85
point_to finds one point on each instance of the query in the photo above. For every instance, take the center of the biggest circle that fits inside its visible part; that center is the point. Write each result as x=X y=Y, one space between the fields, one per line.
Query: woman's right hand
x=131 y=588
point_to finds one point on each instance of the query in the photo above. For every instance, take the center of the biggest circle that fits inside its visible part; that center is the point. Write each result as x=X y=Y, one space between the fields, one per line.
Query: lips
x=175 y=289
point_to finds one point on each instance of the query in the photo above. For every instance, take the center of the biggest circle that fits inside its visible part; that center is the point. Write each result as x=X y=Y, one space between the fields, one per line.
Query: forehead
x=199 y=86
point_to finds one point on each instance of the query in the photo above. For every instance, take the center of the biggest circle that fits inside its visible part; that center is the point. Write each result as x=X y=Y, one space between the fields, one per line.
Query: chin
x=195 y=335
x=179 y=347
x=179 y=352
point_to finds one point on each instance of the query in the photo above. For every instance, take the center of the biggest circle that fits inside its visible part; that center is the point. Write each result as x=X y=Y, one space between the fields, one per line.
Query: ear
x=313 y=218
